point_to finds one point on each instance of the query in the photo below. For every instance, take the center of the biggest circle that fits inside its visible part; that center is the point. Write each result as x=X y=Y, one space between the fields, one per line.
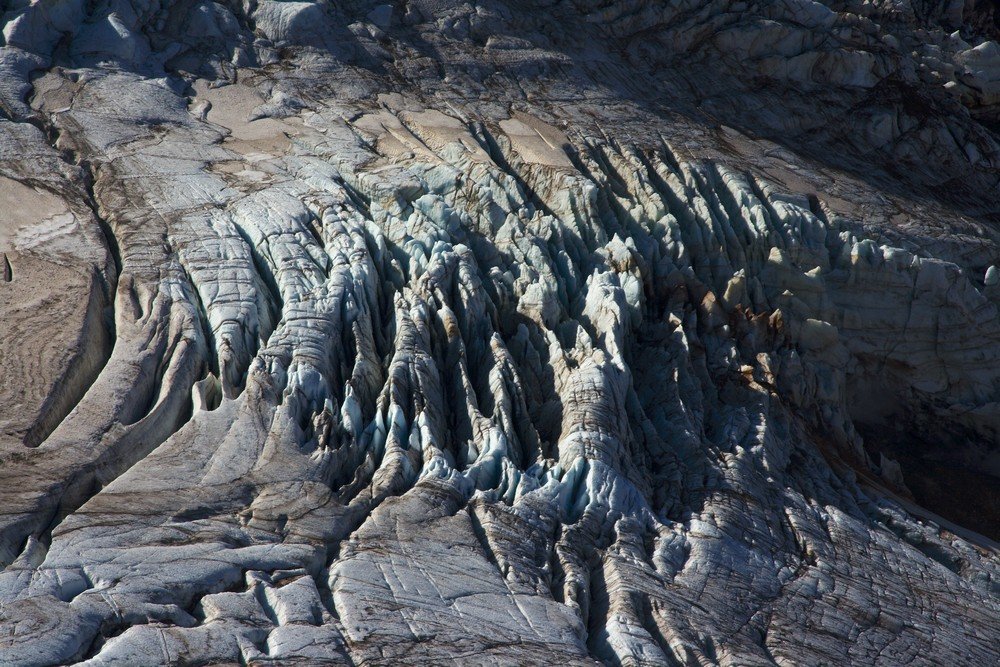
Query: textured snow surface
x=556 y=332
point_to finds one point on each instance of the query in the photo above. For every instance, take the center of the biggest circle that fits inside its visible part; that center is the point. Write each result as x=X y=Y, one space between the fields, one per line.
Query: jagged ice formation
x=499 y=332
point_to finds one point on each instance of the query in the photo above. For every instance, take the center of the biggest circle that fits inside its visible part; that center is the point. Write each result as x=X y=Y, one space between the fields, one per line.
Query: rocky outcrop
x=635 y=333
